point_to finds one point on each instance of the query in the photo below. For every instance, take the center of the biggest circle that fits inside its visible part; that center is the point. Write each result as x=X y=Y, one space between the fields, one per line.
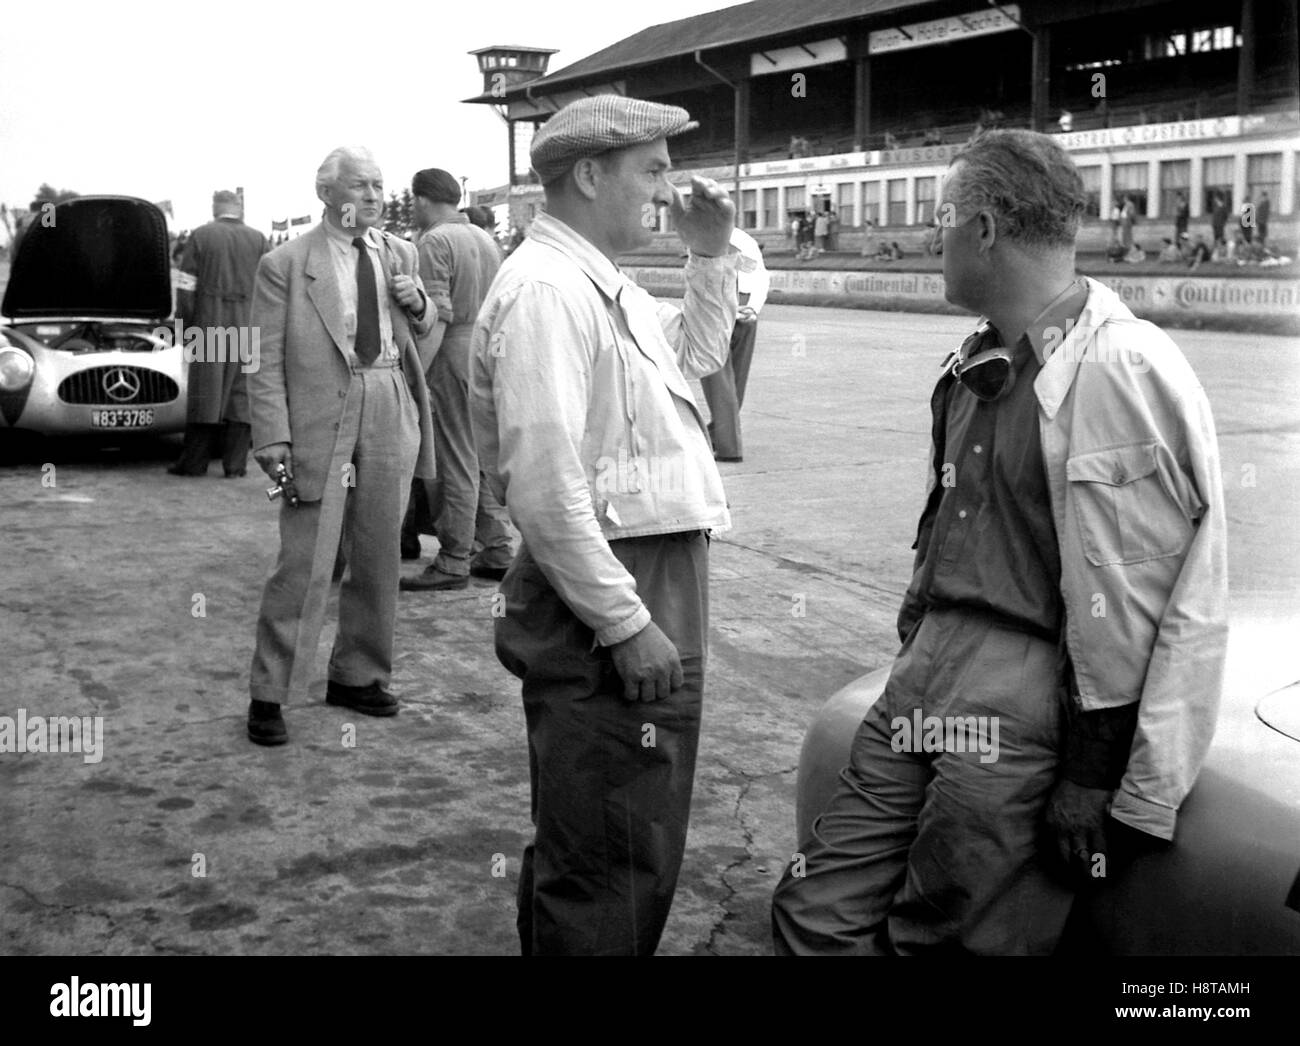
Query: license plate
x=121 y=418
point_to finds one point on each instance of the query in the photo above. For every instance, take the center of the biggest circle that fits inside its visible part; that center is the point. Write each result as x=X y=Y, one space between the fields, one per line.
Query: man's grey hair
x=328 y=172
x=1027 y=182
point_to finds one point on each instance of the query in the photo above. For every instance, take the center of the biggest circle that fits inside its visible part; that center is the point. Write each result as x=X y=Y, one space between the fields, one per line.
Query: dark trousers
x=611 y=779
x=202 y=442
x=421 y=511
x=939 y=851
x=724 y=391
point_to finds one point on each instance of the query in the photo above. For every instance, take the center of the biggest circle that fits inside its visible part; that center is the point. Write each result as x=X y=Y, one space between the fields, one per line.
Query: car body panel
x=1230 y=882
x=86 y=295
x=97 y=256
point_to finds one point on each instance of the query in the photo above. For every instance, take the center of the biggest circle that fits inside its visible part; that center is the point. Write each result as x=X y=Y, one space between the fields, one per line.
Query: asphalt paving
x=131 y=595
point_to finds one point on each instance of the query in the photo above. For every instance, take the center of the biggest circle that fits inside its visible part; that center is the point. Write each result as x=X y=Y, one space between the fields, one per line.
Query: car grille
x=133 y=386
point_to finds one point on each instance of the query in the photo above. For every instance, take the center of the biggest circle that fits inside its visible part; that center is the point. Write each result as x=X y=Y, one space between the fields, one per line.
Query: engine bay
x=83 y=336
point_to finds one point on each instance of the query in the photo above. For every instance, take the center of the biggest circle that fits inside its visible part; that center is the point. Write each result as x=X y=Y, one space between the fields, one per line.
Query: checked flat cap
x=593 y=125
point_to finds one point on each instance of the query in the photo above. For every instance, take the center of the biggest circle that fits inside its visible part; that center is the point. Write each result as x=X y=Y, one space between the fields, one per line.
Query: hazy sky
x=170 y=100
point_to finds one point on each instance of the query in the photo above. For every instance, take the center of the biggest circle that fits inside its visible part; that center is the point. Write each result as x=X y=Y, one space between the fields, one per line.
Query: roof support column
x=510 y=134
x=736 y=91
x=742 y=123
x=1246 y=57
x=861 y=103
x=1040 y=96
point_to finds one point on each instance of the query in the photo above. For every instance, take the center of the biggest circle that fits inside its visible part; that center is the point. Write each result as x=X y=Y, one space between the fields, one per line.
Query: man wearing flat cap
x=590 y=435
x=222 y=257
x=458 y=262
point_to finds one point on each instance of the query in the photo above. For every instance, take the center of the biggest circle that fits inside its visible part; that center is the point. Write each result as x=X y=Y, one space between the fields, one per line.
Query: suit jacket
x=298 y=392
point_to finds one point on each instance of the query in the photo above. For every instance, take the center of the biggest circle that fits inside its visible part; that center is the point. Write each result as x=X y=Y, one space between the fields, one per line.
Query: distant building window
x=924 y=200
x=1220 y=38
x=794 y=198
x=1174 y=45
x=847 y=204
x=770 y=219
x=1264 y=174
x=1216 y=177
x=1296 y=187
x=1175 y=179
x=1092 y=190
x=897 y=213
x=1130 y=179
x=871 y=203
x=749 y=209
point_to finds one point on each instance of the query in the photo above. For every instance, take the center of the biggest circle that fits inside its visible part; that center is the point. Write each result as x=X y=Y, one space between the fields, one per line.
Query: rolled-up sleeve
x=538 y=351
x=435 y=274
x=700 y=331
x=1184 y=682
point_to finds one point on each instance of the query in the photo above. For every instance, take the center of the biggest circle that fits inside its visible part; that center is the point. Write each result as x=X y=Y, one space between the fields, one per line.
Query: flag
x=304 y=220
x=280 y=226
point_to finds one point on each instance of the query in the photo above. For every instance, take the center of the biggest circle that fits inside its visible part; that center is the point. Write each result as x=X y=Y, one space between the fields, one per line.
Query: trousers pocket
x=1123 y=507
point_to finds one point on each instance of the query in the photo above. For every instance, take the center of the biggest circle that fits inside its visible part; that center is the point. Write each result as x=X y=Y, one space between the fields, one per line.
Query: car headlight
x=16 y=370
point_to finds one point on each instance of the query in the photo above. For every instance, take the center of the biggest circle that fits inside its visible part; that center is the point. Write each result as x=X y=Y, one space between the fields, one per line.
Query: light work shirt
x=585 y=424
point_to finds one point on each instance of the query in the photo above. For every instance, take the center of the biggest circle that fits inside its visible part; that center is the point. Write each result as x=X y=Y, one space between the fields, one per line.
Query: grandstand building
x=859 y=105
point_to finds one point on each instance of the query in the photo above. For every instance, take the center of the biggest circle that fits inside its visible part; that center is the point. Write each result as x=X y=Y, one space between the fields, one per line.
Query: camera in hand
x=283 y=486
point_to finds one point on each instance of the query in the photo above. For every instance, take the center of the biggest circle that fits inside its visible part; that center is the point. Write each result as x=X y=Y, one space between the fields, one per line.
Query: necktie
x=367 y=341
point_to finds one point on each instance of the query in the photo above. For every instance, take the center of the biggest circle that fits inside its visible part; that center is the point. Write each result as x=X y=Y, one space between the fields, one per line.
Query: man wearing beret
x=340 y=403
x=458 y=262
x=587 y=429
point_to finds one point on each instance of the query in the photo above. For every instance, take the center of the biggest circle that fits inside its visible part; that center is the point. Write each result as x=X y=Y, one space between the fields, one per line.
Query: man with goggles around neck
x=1068 y=603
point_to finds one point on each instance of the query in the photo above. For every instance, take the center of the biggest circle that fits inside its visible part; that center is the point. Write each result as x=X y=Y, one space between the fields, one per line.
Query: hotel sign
x=944 y=30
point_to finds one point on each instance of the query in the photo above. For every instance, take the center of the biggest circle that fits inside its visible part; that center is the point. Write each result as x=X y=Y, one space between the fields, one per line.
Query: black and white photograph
x=692 y=480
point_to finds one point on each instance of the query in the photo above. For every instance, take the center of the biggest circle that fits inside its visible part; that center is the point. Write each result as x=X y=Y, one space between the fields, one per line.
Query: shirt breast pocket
x=1125 y=510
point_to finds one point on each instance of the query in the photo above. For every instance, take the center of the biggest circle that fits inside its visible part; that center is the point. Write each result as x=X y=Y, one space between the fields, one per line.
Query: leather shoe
x=369 y=700
x=433 y=579
x=266 y=724
x=491 y=573
x=727 y=457
x=176 y=470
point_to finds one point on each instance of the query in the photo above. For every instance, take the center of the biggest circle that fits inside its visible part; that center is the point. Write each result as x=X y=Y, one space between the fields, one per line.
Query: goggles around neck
x=987 y=373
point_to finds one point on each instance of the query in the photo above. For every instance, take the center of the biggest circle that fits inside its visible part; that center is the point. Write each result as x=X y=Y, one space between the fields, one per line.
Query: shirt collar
x=607 y=276
x=342 y=238
x=1058 y=316
x=1048 y=329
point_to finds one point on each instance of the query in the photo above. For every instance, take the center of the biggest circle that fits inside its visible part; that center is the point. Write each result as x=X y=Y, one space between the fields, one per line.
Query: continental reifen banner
x=1194 y=296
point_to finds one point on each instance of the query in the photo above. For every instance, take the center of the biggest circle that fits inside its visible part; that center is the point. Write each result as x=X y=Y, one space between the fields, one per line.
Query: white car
x=80 y=352
x=1229 y=885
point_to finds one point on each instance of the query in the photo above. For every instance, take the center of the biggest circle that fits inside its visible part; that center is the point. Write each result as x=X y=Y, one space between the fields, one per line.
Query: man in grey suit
x=340 y=402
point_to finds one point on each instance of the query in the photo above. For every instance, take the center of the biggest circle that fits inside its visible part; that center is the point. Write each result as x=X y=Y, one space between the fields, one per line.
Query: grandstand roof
x=732 y=25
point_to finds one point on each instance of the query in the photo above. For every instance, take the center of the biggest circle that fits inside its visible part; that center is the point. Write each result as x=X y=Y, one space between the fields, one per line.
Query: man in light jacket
x=588 y=432
x=1065 y=629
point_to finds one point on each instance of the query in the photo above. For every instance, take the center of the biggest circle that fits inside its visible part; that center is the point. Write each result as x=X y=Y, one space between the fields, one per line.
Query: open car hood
x=99 y=256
